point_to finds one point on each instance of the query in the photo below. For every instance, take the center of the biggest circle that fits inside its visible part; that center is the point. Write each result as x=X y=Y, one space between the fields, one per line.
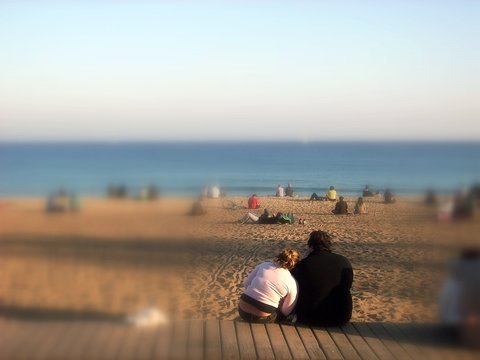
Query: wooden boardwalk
x=214 y=339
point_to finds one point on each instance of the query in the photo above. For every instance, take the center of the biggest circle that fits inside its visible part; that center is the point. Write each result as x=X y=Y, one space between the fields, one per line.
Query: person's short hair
x=340 y=198
x=320 y=241
x=332 y=187
x=287 y=259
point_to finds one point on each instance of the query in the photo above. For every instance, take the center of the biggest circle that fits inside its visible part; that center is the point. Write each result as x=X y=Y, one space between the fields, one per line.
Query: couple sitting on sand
x=313 y=291
x=266 y=218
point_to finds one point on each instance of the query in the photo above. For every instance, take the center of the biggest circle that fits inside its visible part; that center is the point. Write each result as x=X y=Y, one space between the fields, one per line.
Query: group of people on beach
x=314 y=290
x=62 y=201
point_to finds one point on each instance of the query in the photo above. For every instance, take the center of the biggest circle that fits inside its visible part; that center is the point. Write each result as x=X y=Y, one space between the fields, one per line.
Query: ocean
x=239 y=168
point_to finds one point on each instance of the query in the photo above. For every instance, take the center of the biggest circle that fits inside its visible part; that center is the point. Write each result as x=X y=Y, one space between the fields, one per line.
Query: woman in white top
x=270 y=290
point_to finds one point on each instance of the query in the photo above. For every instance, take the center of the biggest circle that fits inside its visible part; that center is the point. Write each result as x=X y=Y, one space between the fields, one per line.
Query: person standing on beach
x=270 y=290
x=280 y=191
x=324 y=279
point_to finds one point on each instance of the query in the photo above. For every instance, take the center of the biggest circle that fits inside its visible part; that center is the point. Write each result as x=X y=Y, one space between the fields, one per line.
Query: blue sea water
x=239 y=168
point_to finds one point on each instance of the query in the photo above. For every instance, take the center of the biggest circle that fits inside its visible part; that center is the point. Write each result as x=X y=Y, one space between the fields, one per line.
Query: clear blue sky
x=299 y=70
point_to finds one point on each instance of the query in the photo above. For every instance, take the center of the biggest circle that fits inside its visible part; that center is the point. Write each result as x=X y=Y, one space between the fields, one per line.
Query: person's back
x=360 y=207
x=324 y=280
x=289 y=190
x=341 y=207
x=253 y=202
x=280 y=191
x=331 y=194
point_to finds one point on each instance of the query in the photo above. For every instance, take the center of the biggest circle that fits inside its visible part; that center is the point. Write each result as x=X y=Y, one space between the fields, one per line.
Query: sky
x=231 y=70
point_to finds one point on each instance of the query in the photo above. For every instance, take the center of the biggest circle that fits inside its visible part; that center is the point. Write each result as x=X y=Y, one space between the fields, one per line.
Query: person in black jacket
x=324 y=279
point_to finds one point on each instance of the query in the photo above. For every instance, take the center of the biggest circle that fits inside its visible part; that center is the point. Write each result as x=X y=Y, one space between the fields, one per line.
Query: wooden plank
x=178 y=348
x=229 y=340
x=400 y=337
x=147 y=339
x=343 y=344
x=86 y=331
x=34 y=340
x=358 y=342
x=262 y=342
x=195 y=344
x=294 y=342
x=245 y=340
x=375 y=344
x=213 y=340
x=130 y=343
x=52 y=340
x=69 y=337
x=98 y=347
x=417 y=336
x=310 y=342
x=162 y=336
x=327 y=344
x=9 y=330
x=26 y=330
x=398 y=351
x=279 y=345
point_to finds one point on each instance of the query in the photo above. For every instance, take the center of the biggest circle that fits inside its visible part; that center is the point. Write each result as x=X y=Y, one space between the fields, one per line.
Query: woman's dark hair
x=320 y=241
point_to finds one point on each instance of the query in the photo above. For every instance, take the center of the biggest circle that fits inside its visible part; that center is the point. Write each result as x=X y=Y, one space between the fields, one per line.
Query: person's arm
x=288 y=303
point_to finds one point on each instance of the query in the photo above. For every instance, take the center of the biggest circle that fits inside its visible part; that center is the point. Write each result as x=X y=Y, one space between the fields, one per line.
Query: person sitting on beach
x=331 y=194
x=360 y=207
x=280 y=191
x=270 y=290
x=367 y=192
x=197 y=208
x=253 y=202
x=324 y=280
x=214 y=192
x=388 y=196
x=463 y=206
x=289 y=190
x=341 y=207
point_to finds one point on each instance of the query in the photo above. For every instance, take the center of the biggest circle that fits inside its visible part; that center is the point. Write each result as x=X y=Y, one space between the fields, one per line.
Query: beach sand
x=116 y=257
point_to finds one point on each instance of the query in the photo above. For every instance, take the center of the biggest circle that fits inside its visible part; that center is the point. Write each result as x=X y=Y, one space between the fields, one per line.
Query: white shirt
x=280 y=191
x=215 y=192
x=272 y=285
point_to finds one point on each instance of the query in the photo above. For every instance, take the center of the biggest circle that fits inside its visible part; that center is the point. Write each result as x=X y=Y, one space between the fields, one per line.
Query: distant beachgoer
x=289 y=190
x=74 y=203
x=324 y=279
x=341 y=207
x=197 y=208
x=331 y=194
x=459 y=306
x=280 y=191
x=270 y=290
x=431 y=198
x=215 y=192
x=463 y=206
x=388 y=196
x=360 y=207
x=367 y=192
x=267 y=218
x=53 y=205
x=316 y=197
x=253 y=202
x=153 y=192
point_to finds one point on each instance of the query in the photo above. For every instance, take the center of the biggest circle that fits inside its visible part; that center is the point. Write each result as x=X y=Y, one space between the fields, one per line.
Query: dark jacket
x=324 y=280
x=341 y=208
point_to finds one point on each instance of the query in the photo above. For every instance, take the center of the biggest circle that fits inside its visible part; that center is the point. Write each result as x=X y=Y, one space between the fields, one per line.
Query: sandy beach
x=116 y=257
